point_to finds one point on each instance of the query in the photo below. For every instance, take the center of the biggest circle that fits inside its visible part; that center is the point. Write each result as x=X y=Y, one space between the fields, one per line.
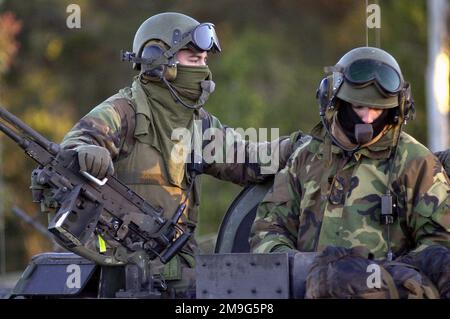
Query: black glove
x=444 y=157
x=434 y=262
x=95 y=160
x=347 y=273
x=410 y=281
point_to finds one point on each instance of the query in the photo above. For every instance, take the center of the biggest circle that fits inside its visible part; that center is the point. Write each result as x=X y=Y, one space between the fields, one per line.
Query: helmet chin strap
x=335 y=141
x=207 y=86
x=363 y=135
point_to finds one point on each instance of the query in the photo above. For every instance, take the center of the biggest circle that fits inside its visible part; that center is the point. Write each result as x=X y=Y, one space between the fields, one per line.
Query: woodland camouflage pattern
x=297 y=214
x=444 y=157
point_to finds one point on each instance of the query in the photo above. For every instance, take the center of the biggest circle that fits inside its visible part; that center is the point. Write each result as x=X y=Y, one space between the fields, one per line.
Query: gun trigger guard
x=94 y=179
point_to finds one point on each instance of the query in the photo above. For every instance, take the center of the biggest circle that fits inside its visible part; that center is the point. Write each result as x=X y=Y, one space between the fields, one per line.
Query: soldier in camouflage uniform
x=355 y=161
x=133 y=129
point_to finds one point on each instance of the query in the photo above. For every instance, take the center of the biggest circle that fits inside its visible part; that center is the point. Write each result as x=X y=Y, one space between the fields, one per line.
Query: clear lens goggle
x=365 y=72
x=203 y=38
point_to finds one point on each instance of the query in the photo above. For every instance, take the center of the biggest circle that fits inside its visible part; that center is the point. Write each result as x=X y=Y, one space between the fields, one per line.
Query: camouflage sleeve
x=427 y=193
x=102 y=126
x=430 y=204
x=276 y=224
x=289 y=145
x=230 y=157
x=444 y=157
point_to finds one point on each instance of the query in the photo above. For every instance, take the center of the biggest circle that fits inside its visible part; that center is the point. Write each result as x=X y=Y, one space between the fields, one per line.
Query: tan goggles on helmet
x=365 y=71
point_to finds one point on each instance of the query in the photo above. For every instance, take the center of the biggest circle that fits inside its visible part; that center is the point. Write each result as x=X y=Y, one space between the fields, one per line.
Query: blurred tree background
x=273 y=56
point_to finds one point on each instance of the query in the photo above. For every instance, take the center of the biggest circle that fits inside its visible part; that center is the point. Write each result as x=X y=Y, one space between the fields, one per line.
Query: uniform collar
x=379 y=150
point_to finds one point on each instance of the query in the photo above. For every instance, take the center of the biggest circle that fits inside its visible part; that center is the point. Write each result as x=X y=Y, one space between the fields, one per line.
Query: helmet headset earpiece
x=154 y=50
x=328 y=88
x=406 y=102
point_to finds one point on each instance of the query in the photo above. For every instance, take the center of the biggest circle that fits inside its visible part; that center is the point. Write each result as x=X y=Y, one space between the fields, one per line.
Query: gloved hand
x=434 y=262
x=444 y=157
x=95 y=160
x=344 y=273
x=410 y=281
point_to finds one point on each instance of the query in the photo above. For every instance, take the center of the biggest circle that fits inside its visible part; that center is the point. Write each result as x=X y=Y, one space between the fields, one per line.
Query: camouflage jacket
x=313 y=205
x=109 y=125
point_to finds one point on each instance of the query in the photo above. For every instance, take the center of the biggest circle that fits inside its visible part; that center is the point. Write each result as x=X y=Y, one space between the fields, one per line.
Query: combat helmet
x=366 y=76
x=371 y=77
x=161 y=36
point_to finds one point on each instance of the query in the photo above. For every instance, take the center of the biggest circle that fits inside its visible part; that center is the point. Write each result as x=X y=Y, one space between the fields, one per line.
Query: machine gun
x=90 y=212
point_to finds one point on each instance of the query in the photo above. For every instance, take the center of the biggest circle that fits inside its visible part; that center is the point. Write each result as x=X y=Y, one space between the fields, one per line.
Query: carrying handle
x=94 y=179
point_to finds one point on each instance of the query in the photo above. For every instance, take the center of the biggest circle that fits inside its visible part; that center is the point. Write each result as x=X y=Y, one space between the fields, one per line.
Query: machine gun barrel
x=19 y=125
x=13 y=135
x=30 y=221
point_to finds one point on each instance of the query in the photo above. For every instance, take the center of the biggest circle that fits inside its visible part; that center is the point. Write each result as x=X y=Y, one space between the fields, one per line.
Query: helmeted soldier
x=133 y=129
x=360 y=180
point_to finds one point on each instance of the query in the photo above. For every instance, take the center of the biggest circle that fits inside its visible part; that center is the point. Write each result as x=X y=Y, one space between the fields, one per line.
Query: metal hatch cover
x=242 y=276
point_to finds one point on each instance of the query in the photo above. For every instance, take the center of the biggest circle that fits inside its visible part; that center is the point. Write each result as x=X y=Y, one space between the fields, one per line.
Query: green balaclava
x=167 y=114
x=188 y=81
